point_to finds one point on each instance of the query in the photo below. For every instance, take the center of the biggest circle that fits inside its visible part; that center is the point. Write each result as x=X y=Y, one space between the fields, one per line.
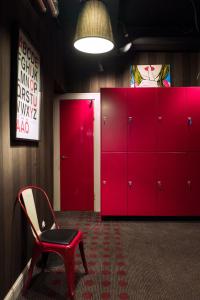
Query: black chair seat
x=58 y=236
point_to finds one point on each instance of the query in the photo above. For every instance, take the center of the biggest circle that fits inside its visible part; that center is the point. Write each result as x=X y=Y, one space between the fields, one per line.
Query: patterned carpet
x=133 y=260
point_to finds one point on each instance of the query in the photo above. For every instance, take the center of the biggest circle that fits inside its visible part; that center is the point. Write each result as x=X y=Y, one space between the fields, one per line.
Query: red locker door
x=141 y=184
x=193 y=118
x=141 y=119
x=193 y=185
x=113 y=120
x=113 y=184
x=76 y=155
x=171 y=184
x=171 y=119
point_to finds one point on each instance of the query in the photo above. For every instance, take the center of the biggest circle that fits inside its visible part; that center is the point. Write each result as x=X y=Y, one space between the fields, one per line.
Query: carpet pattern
x=127 y=260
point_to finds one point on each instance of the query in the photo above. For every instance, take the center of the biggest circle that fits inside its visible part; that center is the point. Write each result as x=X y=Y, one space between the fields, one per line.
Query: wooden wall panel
x=185 y=68
x=24 y=164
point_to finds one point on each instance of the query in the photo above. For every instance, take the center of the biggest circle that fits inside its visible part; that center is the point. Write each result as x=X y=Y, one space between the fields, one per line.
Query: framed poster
x=27 y=95
x=150 y=76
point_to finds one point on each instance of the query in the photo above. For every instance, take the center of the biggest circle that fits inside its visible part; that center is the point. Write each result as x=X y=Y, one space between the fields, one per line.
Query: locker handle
x=159 y=184
x=160 y=118
x=130 y=183
x=130 y=119
x=189 y=182
x=104 y=182
x=189 y=121
x=104 y=119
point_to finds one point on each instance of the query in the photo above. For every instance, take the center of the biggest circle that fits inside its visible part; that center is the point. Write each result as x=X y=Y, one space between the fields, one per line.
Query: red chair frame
x=66 y=252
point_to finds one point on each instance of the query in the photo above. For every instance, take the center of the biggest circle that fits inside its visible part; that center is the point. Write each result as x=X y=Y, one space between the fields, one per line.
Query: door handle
x=64 y=156
x=104 y=182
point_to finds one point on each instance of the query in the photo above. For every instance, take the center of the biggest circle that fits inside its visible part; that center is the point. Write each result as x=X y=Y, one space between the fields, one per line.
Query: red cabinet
x=141 y=108
x=141 y=184
x=193 y=118
x=150 y=151
x=171 y=184
x=114 y=120
x=193 y=183
x=113 y=184
x=171 y=119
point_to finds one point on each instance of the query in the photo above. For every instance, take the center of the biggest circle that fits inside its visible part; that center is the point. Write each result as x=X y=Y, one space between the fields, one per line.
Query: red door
x=193 y=186
x=141 y=184
x=76 y=155
x=193 y=118
x=171 y=184
x=171 y=119
x=113 y=184
x=141 y=119
x=113 y=120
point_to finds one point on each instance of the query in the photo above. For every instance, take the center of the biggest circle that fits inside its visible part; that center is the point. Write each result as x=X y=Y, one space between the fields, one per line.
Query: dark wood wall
x=185 y=71
x=24 y=164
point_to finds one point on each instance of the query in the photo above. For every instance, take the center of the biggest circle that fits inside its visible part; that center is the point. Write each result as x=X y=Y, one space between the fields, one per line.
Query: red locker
x=113 y=184
x=171 y=119
x=193 y=185
x=158 y=132
x=141 y=184
x=142 y=120
x=171 y=184
x=113 y=120
x=193 y=118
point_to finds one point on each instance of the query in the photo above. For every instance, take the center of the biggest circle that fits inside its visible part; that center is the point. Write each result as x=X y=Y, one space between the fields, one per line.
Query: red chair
x=60 y=241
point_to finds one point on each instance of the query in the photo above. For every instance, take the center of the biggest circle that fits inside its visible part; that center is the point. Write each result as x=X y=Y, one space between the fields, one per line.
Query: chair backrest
x=26 y=199
x=29 y=203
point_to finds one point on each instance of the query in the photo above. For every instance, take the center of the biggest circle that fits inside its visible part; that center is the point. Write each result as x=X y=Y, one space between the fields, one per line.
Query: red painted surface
x=171 y=119
x=142 y=119
x=171 y=184
x=113 y=184
x=141 y=184
x=193 y=118
x=113 y=120
x=160 y=146
x=76 y=153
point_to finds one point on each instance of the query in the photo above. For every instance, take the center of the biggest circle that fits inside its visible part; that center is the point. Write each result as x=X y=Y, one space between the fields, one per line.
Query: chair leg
x=69 y=270
x=35 y=255
x=81 y=248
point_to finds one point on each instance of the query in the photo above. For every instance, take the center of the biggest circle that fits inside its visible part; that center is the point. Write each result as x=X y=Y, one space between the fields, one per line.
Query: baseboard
x=18 y=285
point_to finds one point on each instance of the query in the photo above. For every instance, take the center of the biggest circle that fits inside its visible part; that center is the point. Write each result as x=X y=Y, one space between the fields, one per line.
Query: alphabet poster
x=28 y=91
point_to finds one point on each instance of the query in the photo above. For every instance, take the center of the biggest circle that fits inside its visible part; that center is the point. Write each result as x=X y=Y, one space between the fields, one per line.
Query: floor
x=133 y=260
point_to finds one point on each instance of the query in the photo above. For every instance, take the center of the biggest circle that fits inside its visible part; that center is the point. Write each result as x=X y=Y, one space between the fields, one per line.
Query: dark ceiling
x=157 y=25
x=142 y=19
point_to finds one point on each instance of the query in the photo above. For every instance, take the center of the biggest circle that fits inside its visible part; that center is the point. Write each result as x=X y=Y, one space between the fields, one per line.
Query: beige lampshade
x=93 y=31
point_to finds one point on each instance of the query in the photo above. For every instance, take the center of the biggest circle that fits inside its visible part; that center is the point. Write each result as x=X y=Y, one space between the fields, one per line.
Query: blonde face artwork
x=150 y=76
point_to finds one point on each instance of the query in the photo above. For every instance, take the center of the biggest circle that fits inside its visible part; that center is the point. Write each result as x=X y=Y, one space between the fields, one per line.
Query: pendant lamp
x=93 y=31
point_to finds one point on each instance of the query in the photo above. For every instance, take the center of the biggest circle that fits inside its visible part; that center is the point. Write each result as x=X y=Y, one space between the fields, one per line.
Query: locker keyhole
x=189 y=121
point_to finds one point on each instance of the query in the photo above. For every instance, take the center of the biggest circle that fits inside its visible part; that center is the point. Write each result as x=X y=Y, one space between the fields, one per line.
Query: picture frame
x=25 y=109
x=150 y=76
